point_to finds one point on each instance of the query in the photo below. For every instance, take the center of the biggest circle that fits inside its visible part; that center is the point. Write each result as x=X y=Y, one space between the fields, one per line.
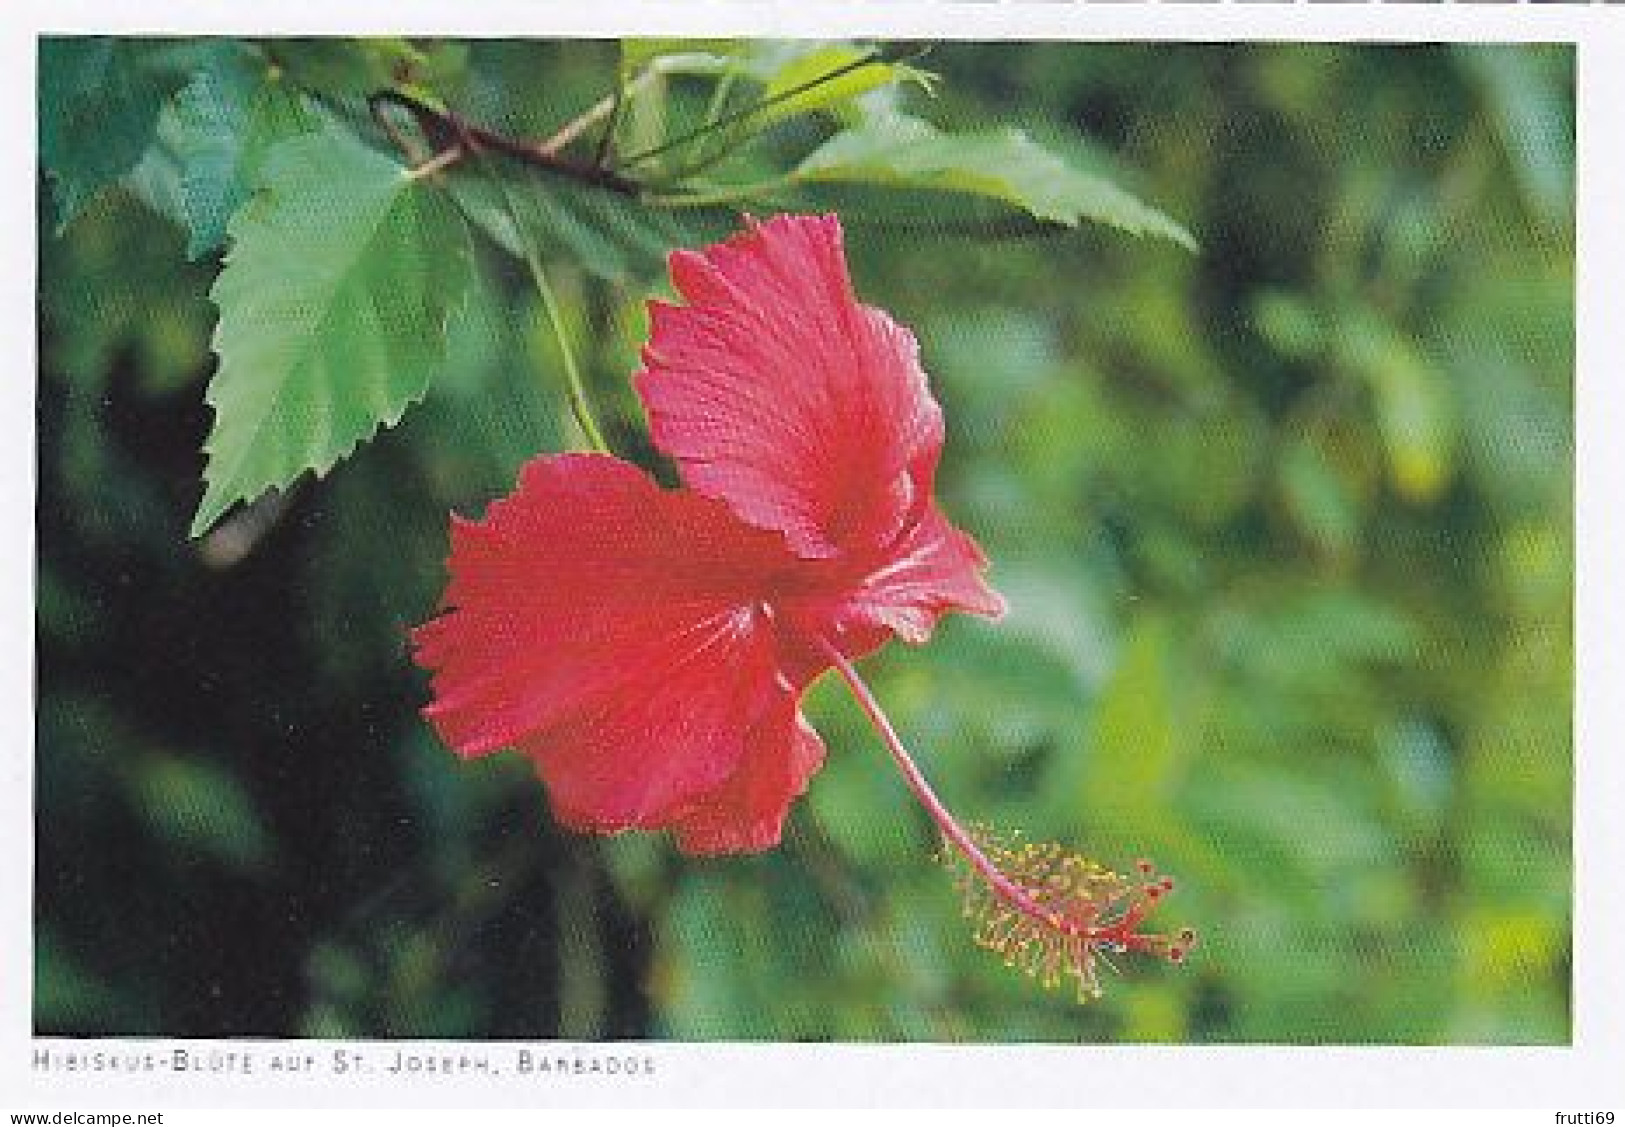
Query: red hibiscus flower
x=648 y=648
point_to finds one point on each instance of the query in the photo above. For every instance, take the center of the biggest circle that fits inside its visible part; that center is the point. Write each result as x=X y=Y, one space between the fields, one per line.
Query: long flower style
x=648 y=648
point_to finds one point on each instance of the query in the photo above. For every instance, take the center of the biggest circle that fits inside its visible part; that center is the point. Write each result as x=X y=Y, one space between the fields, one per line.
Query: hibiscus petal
x=747 y=813
x=778 y=393
x=612 y=631
x=934 y=569
x=672 y=739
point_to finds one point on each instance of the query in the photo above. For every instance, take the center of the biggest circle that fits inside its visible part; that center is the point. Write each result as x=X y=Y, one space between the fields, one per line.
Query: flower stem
x=1002 y=886
x=575 y=386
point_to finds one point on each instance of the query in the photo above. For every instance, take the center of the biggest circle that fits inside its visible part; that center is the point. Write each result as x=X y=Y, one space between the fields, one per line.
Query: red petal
x=613 y=631
x=671 y=740
x=936 y=568
x=747 y=813
x=777 y=393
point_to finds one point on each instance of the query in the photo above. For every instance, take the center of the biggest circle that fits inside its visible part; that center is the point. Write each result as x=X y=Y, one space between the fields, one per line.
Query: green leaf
x=1420 y=768
x=1318 y=498
x=334 y=304
x=1136 y=744
x=895 y=150
x=1290 y=324
x=156 y=178
x=345 y=66
x=609 y=236
x=228 y=118
x=69 y=994
x=99 y=100
x=786 y=67
x=1532 y=117
x=1314 y=643
x=778 y=67
x=117 y=289
x=679 y=56
x=1313 y=831
x=1415 y=404
x=201 y=808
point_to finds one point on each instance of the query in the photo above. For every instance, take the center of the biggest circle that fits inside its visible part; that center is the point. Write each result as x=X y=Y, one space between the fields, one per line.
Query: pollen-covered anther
x=1050 y=912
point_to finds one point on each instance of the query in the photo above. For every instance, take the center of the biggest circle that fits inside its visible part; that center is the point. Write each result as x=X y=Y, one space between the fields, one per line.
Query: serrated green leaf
x=99 y=100
x=896 y=150
x=227 y=118
x=334 y=303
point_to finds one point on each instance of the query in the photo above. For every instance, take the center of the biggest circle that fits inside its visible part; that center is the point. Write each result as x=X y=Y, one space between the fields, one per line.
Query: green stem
x=575 y=386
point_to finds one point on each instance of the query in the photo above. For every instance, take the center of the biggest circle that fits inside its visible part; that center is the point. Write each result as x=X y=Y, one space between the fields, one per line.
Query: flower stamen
x=1044 y=909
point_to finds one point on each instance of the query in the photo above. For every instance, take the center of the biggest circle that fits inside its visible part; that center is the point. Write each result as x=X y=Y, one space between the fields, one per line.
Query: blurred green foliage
x=1285 y=526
